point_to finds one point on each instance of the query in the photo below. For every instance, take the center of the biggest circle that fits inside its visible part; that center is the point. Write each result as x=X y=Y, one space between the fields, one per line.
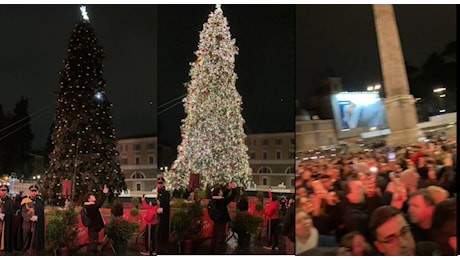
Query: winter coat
x=97 y=222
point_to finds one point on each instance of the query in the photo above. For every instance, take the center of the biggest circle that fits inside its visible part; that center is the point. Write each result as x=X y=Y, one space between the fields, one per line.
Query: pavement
x=230 y=247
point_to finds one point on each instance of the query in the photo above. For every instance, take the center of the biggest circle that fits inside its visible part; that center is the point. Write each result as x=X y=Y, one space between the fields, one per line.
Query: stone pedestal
x=399 y=104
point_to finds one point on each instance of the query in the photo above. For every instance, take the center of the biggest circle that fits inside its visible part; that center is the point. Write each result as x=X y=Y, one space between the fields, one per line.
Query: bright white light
x=442 y=95
x=218 y=7
x=442 y=111
x=84 y=13
x=436 y=90
x=99 y=96
x=377 y=87
x=370 y=88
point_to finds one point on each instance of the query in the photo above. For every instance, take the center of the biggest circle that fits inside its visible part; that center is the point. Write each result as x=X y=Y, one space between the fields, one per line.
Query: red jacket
x=151 y=216
x=273 y=210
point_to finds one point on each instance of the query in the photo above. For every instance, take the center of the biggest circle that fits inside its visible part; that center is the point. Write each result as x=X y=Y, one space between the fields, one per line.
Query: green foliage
x=260 y=196
x=120 y=229
x=186 y=220
x=62 y=228
x=259 y=206
x=135 y=201
x=244 y=223
x=134 y=212
x=200 y=194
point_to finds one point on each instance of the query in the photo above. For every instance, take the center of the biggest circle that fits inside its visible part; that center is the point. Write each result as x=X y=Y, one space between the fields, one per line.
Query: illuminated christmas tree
x=213 y=140
x=83 y=136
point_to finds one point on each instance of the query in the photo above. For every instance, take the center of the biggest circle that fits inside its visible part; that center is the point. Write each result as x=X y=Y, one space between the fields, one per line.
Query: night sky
x=34 y=44
x=342 y=39
x=282 y=52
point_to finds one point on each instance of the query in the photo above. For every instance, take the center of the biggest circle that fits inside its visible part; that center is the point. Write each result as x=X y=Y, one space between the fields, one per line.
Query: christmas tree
x=213 y=140
x=83 y=136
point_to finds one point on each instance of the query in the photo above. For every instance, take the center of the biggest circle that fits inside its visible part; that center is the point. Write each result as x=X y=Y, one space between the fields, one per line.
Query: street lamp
x=440 y=92
x=374 y=88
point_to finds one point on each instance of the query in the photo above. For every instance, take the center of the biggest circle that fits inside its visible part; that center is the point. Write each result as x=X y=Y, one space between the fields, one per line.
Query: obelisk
x=399 y=103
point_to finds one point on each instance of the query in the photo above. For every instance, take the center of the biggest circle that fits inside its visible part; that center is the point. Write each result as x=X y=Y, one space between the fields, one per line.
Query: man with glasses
x=6 y=220
x=392 y=234
x=33 y=221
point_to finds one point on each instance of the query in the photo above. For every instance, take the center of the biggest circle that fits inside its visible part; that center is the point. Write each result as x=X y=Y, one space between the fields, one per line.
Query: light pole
x=440 y=92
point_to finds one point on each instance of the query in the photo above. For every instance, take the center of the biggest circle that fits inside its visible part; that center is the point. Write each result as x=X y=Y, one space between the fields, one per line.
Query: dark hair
x=87 y=195
x=117 y=209
x=380 y=216
x=444 y=225
x=427 y=196
x=215 y=191
x=347 y=239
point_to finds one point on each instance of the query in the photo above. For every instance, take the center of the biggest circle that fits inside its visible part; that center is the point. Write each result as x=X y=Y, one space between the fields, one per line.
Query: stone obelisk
x=399 y=103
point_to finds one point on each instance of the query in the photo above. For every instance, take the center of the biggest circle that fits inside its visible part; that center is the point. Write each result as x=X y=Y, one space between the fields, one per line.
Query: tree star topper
x=84 y=13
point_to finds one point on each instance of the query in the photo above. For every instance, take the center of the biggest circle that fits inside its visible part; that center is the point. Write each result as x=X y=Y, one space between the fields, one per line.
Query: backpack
x=213 y=212
x=85 y=220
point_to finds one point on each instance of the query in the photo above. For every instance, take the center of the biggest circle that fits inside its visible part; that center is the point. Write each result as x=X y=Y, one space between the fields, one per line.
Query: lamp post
x=440 y=92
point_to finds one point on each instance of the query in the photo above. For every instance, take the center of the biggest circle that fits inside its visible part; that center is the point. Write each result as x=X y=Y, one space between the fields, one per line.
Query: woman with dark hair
x=221 y=197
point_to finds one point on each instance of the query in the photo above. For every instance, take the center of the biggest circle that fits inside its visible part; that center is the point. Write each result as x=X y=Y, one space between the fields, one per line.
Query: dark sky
x=265 y=65
x=342 y=38
x=283 y=51
x=34 y=43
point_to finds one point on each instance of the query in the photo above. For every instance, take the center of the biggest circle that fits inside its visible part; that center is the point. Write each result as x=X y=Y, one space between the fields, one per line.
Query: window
x=124 y=161
x=138 y=186
x=138 y=160
x=265 y=142
x=293 y=141
x=151 y=160
x=290 y=170
x=149 y=146
x=277 y=141
x=137 y=147
x=121 y=148
x=264 y=155
x=292 y=182
x=291 y=155
x=252 y=155
x=264 y=170
x=264 y=181
x=138 y=175
x=278 y=155
x=126 y=147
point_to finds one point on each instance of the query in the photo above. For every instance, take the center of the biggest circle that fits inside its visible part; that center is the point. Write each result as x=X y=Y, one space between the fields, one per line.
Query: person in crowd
x=421 y=206
x=444 y=227
x=92 y=206
x=392 y=235
x=272 y=214
x=6 y=221
x=163 y=211
x=33 y=221
x=117 y=209
x=307 y=236
x=150 y=227
x=221 y=197
x=357 y=207
x=288 y=229
x=355 y=244
x=243 y=205
x=439 y=194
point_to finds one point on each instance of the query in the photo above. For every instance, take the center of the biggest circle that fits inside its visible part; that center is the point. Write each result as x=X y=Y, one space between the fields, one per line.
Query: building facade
x=272 y=159
x=138 y=162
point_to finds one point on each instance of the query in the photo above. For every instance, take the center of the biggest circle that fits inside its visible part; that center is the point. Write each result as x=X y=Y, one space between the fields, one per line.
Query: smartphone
x=391 y=156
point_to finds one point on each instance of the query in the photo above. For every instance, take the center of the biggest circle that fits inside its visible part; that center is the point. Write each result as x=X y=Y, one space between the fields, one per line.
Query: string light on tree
x=213 y=138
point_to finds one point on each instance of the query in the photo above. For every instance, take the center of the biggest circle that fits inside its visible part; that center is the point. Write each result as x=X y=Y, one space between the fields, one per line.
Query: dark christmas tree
x=83 y=137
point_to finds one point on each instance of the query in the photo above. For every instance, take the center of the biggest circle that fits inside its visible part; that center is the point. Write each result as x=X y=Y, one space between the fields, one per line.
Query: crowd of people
x=382 y=201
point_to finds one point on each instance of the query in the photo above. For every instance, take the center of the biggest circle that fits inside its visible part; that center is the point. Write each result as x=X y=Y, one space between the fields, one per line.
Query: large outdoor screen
x=358 y=110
